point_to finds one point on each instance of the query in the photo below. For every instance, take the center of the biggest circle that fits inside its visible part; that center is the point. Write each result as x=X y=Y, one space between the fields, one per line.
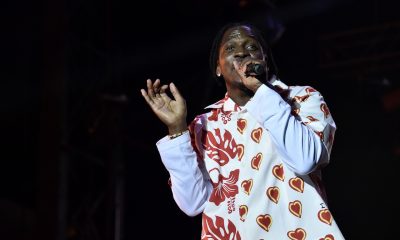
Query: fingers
x=146 y=97
x=156 y=84
x=175 y=92
x=153 y=89
x=157 y=93
x=150 y=89
x=240 y=68
x=156 y=87
x=163 y=93
x=152 y=95
x=236 y=65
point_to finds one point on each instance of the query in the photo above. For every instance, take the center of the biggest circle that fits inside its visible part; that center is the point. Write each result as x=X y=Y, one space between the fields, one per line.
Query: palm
x=168 y=110
x=172 y=112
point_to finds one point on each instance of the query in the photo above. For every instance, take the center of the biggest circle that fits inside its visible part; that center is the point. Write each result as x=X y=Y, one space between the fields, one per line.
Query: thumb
x=175 y=92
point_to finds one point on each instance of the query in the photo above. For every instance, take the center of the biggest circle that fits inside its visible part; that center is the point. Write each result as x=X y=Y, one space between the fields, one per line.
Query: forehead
x=237 y=32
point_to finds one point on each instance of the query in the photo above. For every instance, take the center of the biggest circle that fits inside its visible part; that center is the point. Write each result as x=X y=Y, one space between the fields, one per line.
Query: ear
x=218 y=71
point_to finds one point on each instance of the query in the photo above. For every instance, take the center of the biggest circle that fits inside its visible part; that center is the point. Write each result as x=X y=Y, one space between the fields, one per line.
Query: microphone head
x=255 y=69
x=258 y=69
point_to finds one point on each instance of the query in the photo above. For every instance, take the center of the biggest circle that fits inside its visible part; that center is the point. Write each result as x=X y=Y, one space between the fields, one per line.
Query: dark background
x=78 y=157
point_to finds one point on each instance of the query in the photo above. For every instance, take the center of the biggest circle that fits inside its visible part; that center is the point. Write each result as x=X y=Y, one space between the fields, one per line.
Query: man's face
x=238 y=44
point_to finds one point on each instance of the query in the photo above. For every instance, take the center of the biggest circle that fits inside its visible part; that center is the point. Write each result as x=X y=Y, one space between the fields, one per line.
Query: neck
x=240 y=96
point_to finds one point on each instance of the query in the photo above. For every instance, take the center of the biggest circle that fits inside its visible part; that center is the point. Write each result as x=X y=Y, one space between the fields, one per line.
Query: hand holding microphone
x=251 y=73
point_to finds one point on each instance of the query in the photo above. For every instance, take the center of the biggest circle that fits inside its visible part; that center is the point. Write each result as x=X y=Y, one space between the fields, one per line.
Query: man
x=251 y=165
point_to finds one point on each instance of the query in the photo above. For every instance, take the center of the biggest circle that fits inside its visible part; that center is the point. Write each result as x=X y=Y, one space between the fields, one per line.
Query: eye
x=252 y=47
x=229 y=48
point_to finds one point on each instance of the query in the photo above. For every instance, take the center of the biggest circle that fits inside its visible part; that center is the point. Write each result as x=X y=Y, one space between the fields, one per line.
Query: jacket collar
x=228 y=105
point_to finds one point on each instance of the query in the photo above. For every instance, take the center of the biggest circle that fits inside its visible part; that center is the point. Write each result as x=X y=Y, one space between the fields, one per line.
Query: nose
x=241 y=53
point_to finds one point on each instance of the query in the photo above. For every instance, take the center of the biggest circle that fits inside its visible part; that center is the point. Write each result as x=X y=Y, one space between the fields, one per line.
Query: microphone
x=255 y=69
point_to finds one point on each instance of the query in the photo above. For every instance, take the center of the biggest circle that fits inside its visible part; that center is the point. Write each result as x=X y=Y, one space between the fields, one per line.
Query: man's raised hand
x=171 y=111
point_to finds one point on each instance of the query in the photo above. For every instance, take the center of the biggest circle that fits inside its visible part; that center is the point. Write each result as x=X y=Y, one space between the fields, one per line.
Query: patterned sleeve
x=309 y=107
